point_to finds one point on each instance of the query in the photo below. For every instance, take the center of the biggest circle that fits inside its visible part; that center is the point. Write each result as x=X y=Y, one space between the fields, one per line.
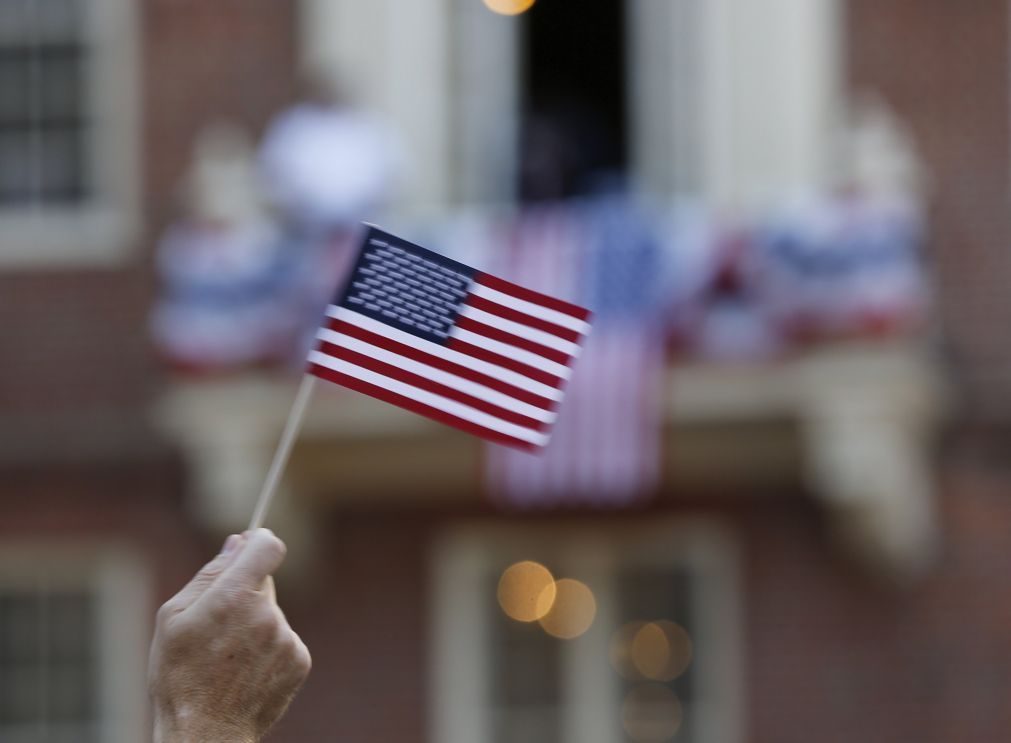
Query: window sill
x=91 y=236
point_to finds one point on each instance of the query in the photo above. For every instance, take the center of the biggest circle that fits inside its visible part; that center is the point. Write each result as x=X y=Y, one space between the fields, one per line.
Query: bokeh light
x=658 y=651
x=509 y=7
x=620 y=650
x=651 y=713
x=573 y=611
x=526 y=591
x=661 y=651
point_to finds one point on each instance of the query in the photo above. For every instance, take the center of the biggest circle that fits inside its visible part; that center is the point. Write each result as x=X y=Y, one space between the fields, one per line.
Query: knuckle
x=302 y=659
x=222 y=606
x=265 y=626
x=184 y=631
x=278 y=548
x=294 y=656
x=165 y=612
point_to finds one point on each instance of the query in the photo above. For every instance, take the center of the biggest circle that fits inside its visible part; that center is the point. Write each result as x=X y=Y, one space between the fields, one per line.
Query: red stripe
x=505 y=362
x=416 y=380
x=508 y=313
x=528 y=295
x=467 y=323
x=459 y=370
x=420 y=408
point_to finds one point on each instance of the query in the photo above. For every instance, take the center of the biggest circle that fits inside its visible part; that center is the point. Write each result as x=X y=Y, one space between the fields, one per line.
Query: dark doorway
x=574 y=127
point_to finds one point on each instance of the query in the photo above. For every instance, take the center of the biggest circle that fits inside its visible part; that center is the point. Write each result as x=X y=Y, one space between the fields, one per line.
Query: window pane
x=43 y=102
x=58 y=20
x=60 y=171
x=21 y=701
x=17 y=167
x=527 y=725
x=59 y=90
x=70 y=692
x=48 y=672
x=661 y=598
x=526 y=676
x=32 y=21
x=70 y=627
x=15 y=20
x=19 y=641
x=14 y=103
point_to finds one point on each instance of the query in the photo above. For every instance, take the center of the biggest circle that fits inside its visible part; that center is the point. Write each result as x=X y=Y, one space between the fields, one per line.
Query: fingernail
x=230 y=544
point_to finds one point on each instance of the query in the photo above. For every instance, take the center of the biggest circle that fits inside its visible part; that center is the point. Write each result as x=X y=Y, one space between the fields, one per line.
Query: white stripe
x=438 y=402
x=438 y=375
x=504 y=349
x=523 y=331
x=492 y=370
x=534 y=310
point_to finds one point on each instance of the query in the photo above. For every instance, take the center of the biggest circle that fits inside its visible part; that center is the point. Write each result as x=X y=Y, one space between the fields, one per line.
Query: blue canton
x=407 y=287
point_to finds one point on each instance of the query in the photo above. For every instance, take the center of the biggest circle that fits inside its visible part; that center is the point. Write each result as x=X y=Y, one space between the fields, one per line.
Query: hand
x=224 y=663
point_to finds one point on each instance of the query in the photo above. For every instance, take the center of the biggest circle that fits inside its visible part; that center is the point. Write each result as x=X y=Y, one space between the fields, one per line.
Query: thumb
x=261 y=555
x=208 y=573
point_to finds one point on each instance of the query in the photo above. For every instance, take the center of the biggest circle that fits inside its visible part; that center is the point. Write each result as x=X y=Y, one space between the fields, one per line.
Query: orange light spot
x=573 y=611
x=509 y=7
x=526 y=591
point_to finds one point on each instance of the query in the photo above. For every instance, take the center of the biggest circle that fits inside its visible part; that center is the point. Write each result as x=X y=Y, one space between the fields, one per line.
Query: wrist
x=182 y=726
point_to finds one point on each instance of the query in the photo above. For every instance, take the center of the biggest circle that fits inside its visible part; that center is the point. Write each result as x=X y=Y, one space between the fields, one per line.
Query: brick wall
x=831 y=655
x=74 y=343
x=78 y=459
x=361 y=609
x=944 y=66
x=834 y=658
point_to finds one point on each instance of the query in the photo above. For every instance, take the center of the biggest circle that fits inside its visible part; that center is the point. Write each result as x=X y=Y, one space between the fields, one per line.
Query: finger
x=268 y=589
x=262 y=553
x=208 y=573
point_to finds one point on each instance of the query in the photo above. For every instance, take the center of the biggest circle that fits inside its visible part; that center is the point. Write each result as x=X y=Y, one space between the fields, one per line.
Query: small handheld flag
x=441 y=339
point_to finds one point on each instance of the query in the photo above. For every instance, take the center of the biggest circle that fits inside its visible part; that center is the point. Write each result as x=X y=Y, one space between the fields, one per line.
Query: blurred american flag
x=606 y=443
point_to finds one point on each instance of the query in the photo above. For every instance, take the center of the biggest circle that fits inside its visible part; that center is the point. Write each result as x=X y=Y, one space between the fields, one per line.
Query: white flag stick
x=283 y=450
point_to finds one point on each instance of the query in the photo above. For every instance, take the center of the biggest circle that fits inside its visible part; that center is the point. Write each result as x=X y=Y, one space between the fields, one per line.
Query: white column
x=771 y=88
x=486 y=103
x=664 y=63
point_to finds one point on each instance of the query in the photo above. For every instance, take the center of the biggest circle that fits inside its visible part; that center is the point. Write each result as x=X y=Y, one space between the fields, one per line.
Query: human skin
x=224 y=663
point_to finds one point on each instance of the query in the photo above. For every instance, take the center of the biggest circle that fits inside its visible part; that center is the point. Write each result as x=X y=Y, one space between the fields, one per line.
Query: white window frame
x=463 y=560
x=100 y=230
x=115 y=577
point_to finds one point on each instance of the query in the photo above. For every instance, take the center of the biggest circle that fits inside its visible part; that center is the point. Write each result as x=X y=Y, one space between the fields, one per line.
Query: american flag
x=444 y=340
x=606 y=445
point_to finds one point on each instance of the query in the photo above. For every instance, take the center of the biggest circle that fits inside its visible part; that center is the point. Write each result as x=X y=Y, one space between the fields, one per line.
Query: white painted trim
x=460 y=567
x=485 y=95
x=665 y=72
x=116 y=576
x=98 y=233
x=771 y=86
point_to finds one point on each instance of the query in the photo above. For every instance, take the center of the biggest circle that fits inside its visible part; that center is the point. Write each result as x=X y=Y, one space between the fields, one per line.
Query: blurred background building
x=778 y=507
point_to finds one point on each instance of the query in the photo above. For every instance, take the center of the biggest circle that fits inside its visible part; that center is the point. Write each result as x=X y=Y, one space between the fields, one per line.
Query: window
x=42 y=111
x=67 y=129
x=48 y=670
x=658 y=662
x=72 y=633
x=573 y=80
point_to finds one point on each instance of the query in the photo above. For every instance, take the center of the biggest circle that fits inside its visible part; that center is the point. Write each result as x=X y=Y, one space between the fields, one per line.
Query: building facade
x=829 y=532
